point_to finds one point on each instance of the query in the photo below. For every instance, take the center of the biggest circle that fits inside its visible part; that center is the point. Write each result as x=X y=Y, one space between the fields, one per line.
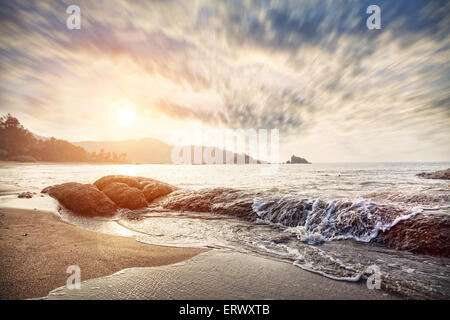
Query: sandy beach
x=36 y=248
x=219 y=275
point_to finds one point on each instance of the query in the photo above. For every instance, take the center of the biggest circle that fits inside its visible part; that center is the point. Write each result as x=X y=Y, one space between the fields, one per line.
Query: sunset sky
x=335 y=90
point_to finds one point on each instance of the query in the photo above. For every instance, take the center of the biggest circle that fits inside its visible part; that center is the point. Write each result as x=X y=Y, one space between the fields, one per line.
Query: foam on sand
x=218 y=275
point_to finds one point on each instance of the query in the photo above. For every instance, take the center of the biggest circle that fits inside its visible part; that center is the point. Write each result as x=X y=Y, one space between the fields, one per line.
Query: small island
x=295 y=160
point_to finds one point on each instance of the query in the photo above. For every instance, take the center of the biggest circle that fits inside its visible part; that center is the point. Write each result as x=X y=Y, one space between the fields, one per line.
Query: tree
x=14 y=138
x=17 y=142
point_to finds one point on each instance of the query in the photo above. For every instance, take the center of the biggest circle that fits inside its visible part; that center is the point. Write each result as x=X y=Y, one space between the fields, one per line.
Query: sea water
x=320 y=217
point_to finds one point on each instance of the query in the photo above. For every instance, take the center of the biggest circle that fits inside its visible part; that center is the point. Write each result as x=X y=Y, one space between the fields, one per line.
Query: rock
x=151 y=188
x=108 y=193
x=27 y=195
x=125 y=196
x=106 y=180
x=156 y=189
x=224 y=201
x=191 y=200
x=295 y=159
x=442 y=174
x=82 y=199
x=136 y=182
x=144 y=181
x=424 y=234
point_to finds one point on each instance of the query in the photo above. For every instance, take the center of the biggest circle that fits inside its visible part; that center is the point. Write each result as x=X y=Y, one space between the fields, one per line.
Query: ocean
x=323 y=218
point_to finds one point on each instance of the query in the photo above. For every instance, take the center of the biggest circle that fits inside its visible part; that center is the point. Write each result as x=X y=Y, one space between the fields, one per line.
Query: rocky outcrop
x=295 y=160
x=190 y=200
x=442 y=174
x=109 y=193
x=224 y=201
x=150 y=188
x=156 y=189
x=82 y=199
x=125 y=196
x=106 y=180
x=424 y=233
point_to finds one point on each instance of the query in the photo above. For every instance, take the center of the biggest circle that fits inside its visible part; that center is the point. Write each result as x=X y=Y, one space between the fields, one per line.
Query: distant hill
x=147 y=150
x=19 y=144
x=226 y=156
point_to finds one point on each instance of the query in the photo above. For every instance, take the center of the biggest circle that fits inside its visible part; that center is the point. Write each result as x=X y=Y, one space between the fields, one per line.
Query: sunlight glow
x=128 y=170
x=126 y=116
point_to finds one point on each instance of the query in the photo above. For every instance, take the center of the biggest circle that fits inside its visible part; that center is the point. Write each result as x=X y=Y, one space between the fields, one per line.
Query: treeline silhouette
x=19 y=144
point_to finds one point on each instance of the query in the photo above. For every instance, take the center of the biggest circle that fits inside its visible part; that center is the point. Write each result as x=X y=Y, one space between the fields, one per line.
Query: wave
x=290 y=227
x=312 y=220
x=318 y=220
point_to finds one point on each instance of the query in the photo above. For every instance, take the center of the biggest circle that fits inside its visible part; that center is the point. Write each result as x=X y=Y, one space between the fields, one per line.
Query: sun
x=126 y=116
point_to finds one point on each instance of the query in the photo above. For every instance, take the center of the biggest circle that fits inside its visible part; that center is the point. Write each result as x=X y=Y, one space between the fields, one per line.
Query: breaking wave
x=303 y=231
x=311 y=220
x=318 y=220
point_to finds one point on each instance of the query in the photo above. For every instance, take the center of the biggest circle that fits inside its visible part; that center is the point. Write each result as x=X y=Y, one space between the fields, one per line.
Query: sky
x=335 y=90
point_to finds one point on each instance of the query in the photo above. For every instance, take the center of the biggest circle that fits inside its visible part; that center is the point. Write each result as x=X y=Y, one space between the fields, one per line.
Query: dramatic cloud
x=335 y=90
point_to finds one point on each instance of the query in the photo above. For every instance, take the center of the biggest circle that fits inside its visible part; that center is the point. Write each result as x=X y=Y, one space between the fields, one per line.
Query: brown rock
x=423 y=233
x=106 y=180
x=118 y=191
x=204 y=200
x=82 y=199
x=442 y=174
x=125 y=196
x=151 y=188
x=155 y=189
x=27 y=195
x=144 y=181
x=136 y=182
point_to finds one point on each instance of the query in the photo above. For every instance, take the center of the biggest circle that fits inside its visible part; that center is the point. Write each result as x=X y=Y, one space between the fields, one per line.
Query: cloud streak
x=309 y=68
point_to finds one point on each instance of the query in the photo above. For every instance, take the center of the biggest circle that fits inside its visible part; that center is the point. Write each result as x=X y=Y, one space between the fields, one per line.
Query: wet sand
x=36 y=248
x=219 y=275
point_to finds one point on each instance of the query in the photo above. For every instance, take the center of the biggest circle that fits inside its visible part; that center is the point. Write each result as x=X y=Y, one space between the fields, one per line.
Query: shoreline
x=36 y=248
x=219 y=275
